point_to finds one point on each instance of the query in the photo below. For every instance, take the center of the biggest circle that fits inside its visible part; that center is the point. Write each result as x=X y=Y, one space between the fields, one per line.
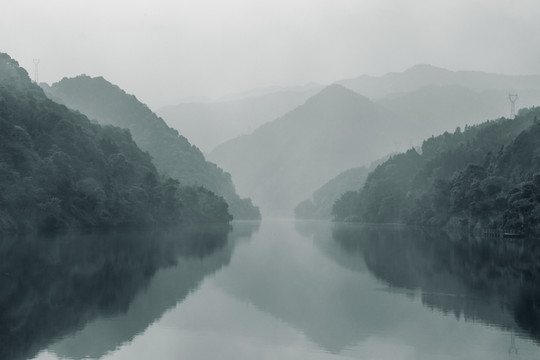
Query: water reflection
x=492 y=281
x=286 y=291
x=106 y=287
x=285 y=276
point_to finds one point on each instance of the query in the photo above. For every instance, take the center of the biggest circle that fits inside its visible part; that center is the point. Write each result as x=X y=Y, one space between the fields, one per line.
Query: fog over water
x=164 y=50
x=284 y=179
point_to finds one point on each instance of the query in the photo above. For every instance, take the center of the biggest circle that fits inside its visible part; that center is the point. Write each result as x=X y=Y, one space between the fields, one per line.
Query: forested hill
x=485 y=176
x=171 y=152
x=58 y=170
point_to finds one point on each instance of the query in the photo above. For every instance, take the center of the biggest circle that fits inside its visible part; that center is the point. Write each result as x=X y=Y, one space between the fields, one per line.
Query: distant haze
x=165 y=51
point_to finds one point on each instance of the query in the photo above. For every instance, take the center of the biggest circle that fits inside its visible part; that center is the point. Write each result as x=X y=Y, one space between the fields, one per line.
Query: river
x=270 y=290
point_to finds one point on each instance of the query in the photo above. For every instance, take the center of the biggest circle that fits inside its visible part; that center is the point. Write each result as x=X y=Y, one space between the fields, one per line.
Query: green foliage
x=171 y=152
x=58 y=170
x=482 y=176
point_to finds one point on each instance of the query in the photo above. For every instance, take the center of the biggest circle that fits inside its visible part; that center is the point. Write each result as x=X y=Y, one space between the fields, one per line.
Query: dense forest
x=171 y=152
x=484 y=176
x=58 y=170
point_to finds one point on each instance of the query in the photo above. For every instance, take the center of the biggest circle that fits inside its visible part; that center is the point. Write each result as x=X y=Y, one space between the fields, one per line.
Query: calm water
x=275 y=290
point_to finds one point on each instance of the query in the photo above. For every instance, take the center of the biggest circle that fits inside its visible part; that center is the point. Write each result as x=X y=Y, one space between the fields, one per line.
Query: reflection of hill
x=287 y=277
x=54 y=286
x=164 y=291
x=495 y=282
x=321 y=232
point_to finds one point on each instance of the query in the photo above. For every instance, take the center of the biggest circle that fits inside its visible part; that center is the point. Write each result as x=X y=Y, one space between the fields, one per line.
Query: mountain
x=433 y=100
x=434 y=109
x=60 y=171
x=421 y=94
x=319 y=206
x=485 y=176
x=377 y=87
x=272 y=89
x=209 y=124
x=283 y=161
x=172 y=153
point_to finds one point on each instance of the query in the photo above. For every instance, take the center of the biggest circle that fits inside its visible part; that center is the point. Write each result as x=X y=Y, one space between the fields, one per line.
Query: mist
x=168 y=50
x=318 y=179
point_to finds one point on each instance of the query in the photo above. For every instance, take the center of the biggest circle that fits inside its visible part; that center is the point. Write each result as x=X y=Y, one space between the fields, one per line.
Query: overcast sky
x=164 y=50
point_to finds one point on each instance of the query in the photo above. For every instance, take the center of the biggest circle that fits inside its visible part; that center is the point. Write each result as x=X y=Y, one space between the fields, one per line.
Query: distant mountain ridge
x=485 y=96
x=172 y=152
x=418 y=103
x=435 y=109
x=434 y=100
x=418 y=76
x=209 y=124
x=269 y=90
x=283 y=161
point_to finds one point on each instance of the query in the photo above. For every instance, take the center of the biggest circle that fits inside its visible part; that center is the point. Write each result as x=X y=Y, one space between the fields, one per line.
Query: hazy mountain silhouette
x=283 y=161
x=434 y=109
x=271 y=89
x=473 y=96
x=171 y=152
x=209 y=124
x=432 y=100
x=376 y=87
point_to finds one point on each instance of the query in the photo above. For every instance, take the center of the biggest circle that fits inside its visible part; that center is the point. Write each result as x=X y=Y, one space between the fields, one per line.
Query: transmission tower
x=513 y=99
x=36 y=63
x=512 y=349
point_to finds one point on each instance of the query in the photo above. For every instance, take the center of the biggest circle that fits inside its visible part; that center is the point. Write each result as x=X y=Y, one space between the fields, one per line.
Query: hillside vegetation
x=60 y=171
x=171 y=152
x=485 y=176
